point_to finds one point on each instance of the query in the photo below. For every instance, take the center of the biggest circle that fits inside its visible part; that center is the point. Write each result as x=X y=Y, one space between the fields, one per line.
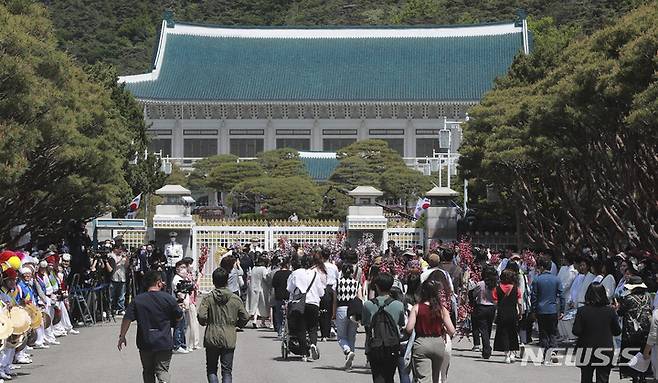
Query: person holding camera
x=119 y=264
x=182 y=289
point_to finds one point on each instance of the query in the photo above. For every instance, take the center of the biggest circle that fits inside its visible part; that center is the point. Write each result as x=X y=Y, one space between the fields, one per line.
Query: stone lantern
x=442 y=214
x=364 y=216
x=173 y=215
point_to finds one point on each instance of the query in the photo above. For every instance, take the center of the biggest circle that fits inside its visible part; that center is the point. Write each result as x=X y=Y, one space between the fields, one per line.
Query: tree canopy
x=373 y=163
x=570 y=137
x=64 y=137
x=282 y=163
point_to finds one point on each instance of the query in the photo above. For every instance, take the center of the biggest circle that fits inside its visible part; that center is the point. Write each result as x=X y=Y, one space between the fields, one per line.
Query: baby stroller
x=290 y=343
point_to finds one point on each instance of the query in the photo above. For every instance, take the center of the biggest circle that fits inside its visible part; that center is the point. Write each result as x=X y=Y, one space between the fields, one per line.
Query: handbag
x=298 y=302
x=355 y=308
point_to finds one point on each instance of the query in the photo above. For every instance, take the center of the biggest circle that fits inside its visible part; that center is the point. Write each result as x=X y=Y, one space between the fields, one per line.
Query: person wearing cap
x=11 y=294
x=173 y=253
x=634 y=309
x=62 y=271
x=45 y=284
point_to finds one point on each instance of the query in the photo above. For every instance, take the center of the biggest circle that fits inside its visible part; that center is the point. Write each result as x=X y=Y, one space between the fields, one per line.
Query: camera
x=185 y=287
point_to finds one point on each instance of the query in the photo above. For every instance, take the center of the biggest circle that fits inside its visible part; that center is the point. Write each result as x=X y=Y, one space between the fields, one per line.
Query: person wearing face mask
x=182 y=295
x=155 y=312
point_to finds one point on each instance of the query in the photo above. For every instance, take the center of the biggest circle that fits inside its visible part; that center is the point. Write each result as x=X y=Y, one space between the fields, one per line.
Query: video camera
x=185 y=287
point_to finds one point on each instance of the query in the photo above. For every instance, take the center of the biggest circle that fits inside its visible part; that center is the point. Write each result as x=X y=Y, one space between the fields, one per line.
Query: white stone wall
x=173 y=129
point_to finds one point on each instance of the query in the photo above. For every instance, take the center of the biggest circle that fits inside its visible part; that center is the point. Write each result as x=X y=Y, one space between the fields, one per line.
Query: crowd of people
x=34 y=305
x=411 y=304
x=595 y=302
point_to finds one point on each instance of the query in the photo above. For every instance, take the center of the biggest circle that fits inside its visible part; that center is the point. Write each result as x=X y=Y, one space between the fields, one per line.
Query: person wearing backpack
x=383 y=317
x=431 y=321
x=635 y=311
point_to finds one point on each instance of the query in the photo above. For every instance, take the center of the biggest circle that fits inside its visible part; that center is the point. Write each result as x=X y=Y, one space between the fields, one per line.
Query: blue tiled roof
x=211 y=68
x=320 y=169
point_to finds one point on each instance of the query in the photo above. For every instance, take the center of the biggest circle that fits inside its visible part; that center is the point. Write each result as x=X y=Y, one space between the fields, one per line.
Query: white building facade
x=219 y=90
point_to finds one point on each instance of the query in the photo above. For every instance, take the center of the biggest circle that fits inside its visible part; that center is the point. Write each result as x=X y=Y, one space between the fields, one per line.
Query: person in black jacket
x=595 y=325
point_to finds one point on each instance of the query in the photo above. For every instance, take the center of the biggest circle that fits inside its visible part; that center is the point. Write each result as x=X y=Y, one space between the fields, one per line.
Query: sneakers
x=521 y=350
x=74 y=331
x=476 y=349
x=23 y=360
x=349 y=358
x=304 y=358
x=323 y=339
x=54 y=342
x=5 y=376
x=40 y=346
x=554 y=357
x=181 y=350
x=315 y=354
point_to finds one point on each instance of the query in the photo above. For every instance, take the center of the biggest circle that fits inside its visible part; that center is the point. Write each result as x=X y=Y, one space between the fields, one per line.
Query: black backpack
x=383 y=335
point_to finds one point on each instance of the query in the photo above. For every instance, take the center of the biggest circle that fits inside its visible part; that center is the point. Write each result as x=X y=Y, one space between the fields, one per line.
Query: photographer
x=182 y=288
x=119 y=263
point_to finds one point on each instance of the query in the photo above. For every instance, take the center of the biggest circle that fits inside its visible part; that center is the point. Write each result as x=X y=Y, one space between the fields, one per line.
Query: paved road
x=92 y=357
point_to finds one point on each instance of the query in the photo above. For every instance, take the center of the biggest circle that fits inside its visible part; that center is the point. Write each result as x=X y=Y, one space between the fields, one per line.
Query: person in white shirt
x=581 y=283
x=309 y=278
x=567 y=273
x=602 y=274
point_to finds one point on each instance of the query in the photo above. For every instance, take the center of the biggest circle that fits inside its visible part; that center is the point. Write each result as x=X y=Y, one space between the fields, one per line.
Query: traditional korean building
x=242 y=90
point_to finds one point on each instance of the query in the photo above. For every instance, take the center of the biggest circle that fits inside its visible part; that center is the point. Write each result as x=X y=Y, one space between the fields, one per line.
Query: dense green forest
x=123 y=32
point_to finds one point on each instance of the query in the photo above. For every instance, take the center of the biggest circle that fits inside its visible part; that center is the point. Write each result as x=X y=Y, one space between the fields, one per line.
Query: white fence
x=214 y=237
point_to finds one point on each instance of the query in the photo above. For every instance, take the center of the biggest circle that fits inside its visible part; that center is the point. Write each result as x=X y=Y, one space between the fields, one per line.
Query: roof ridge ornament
x=168 y=17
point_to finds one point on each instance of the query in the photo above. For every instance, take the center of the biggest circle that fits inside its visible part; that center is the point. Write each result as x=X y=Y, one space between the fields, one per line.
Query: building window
x=386 y=132
x=246 y=147
x=200 y=132
x=334 y=144
x=293 y=143
x=161 y=144
x=246 y=132
x=426 y=146
x=396 y=144
x=339 y=132
x=159 y=132
x=293 y=132
x=427 y=132
x=199 y=147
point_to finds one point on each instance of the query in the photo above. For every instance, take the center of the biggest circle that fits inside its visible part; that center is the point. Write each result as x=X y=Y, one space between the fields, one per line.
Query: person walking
x=508 y=298
x=156 y=312
x=595 y=325
x=183 y=298
x=281 y=295
x=347 y=290
x=547 y=303
x=635 y=311
x=484 y=311
x=383 y=316
x=327 y=307
x=221 y=312
x=431 y=321
x=309 y=278
x=256 y=292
